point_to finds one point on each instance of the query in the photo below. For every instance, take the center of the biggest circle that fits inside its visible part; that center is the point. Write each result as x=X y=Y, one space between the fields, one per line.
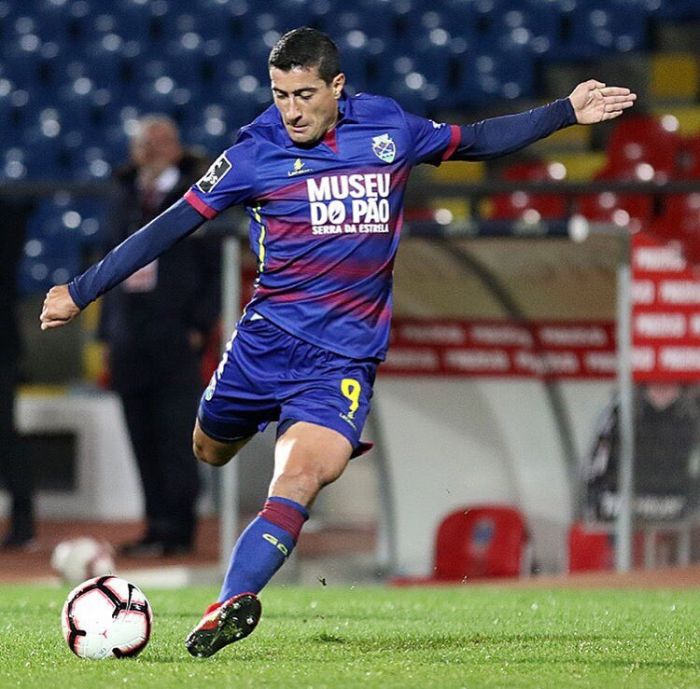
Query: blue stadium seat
x=9 y=133
x=356 y=58
x=212 y=140
x=243 y=100
x=459 y=20
x=225 y=21
x=187 y=59
x=8 y=12
x=53 y=20
x=23 y=61
x=105 y=60
x=600 y=27
x=91 y=164
x=226 y=70
x=293 y=13
x=494 y=76
x=24 y=104
x=135 y=21
x=256 y=51
x=215 y=23
x=675 y=10
x=42 y=145
x=376 y=20
x=53 y=247
x=93 y=214
x=13 y=163
x=532 y=24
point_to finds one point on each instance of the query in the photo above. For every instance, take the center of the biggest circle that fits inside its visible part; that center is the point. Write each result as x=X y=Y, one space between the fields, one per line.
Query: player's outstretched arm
x=64 y=302
x=595 y=102
x=590 y=102
x=59 y=308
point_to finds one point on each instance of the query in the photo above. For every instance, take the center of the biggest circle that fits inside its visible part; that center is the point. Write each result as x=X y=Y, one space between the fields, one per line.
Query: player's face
x=308 y=105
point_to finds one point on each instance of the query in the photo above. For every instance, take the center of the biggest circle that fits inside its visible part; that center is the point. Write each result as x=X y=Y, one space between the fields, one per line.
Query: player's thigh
x=307 y=457
x=212 y=451
x=240 y=398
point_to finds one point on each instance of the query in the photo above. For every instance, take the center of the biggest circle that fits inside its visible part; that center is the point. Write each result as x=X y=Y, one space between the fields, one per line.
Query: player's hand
x=59 y=308
x=594 y=102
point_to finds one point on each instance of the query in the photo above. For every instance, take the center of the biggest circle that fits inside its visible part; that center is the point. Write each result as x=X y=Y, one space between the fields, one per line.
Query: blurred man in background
x=14 y=471
x=155 y=325
x=666 y=456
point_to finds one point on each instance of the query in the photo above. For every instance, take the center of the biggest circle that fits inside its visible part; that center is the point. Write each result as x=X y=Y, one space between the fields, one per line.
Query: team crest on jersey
x=214 y=174
x=384 y=148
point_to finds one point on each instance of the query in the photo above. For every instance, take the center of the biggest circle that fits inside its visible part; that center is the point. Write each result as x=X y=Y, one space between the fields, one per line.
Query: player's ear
x=337 y=85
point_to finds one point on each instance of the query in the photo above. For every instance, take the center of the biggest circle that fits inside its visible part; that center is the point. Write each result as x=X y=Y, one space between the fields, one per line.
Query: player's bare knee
x=303 y=483
x=209 y=455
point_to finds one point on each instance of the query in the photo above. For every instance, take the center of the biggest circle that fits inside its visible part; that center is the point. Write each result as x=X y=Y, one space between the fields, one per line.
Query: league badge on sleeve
x=214 y=174
x=384 y=148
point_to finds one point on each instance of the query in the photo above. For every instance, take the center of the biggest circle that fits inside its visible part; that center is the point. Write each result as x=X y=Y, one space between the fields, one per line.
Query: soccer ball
x=82 y=558
x=106 y=617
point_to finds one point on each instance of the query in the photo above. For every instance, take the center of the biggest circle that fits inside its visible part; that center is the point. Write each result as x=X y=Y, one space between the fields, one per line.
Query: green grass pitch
x=329 y=637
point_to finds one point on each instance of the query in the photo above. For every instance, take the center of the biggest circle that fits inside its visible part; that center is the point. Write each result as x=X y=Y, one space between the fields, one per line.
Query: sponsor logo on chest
x=350 y=204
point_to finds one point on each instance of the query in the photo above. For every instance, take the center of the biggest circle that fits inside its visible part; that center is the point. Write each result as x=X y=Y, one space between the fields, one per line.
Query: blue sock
x=263 y=547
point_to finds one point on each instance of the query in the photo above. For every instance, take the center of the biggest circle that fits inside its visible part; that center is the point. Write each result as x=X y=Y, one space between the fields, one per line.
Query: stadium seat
x=639 y=140
x=292 y=13
x=678 y=10
x=600 y=27
x=589 y=549
x=516 y=205
x=479 y=542
x=633 y=211
x=463 y=18
x=23 y=63
x=354 y=47
x=680 y=221
x=53 y=246
x=533 y=24
x=43 y=151
x=690 y=158
x=494 y=76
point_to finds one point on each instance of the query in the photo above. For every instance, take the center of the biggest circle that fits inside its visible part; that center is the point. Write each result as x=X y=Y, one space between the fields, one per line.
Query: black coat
x=149 y=332
x=13 y=220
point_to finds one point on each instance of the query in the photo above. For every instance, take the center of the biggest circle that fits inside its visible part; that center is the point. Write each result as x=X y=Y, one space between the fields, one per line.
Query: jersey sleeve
x=432 y=142
x=229 y=181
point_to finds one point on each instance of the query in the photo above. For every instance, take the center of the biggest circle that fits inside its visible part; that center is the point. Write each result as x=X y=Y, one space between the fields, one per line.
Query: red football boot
x=224 y=623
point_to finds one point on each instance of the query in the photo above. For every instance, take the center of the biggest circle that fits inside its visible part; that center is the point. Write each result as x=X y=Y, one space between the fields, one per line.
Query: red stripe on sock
x=284 y=516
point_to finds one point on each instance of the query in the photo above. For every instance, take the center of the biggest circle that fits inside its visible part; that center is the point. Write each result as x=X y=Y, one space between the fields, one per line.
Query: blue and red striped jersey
x=325 y=221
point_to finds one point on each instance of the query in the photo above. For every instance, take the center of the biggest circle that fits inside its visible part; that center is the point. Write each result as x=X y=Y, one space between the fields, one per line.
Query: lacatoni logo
x=349 y=204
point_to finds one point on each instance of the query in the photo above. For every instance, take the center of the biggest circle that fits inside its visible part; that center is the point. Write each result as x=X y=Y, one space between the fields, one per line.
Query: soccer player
x=322 y=177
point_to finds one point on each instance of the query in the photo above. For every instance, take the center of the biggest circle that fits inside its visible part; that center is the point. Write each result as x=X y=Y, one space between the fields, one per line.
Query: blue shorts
x=267 y=375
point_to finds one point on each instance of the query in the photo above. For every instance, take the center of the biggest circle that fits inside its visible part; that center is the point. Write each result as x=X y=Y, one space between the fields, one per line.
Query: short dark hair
x=305 y=48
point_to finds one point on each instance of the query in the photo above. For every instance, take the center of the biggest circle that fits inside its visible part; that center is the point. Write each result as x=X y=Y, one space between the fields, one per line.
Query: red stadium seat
x=626 y=210
x=690 y=157
x=480 y=542
x=590 y=550
x=520 y=204
x=680 y=221
x=644 y=141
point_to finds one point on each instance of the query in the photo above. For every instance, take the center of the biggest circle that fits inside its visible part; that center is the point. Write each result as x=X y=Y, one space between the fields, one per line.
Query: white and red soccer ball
x=106 y=617
x=78 y=559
